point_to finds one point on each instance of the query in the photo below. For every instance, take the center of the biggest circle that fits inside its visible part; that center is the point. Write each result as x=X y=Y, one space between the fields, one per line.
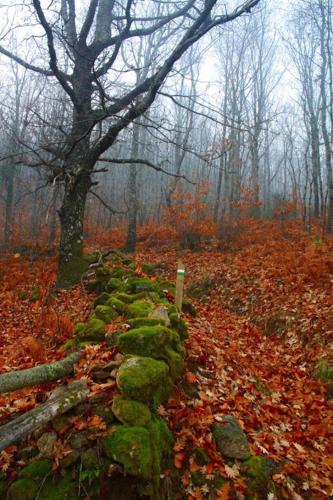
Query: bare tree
x=103 y=99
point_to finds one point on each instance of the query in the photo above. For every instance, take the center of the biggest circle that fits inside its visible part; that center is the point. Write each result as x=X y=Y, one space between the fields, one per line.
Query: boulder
x=230 y=439
x=144 y=379
x=105 y=313
x=93 y=330
x=131 y=412
x=161 y=313
x=131 y=447
x=139 y=309
x=156 y=342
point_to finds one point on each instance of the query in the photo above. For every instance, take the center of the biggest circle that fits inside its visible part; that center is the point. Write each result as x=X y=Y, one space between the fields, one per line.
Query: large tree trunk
x=71 y=264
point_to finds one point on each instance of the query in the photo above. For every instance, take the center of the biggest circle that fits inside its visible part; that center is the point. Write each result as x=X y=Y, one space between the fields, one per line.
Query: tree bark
x=71 y=265
x=23 y=425
x=39 y=374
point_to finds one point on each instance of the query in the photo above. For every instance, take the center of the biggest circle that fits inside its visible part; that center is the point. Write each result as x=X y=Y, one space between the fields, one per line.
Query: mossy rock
x=128 y=298
x=189 y=308
x=114 y=285
x=140 y=322
x=27 y=453
x=36 y=470
x=178 y=324
x=59 y=488
x=230 y=439
x=101 y=300
x=105 y=313
x=116 y=304
x=22 y=489
x=131 y=412
x=156 y=342
x=93 y=330
x=329 y=392
x=103 y=274
x=166 y=285
x=121 y=273
x=90 y=459
x=3 y=487
x=148 y=268
x=70 y=344
x=139 y=309
x=144 y=379
x=198 y=479
x=259 y=471
x=137 y=285
x=131 y=447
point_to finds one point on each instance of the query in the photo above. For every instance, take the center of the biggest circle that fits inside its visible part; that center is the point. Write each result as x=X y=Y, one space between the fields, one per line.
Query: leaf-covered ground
x=265 y=318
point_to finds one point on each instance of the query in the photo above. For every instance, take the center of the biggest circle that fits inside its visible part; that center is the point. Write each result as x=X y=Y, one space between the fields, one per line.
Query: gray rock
x=46 y=444
x=160 y=312
x=230 y=439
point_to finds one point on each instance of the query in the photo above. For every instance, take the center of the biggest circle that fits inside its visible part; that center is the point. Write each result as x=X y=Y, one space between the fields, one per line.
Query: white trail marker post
x=180 y=286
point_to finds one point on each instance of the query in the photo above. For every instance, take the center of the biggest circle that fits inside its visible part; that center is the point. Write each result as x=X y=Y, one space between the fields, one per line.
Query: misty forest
x=166 y=249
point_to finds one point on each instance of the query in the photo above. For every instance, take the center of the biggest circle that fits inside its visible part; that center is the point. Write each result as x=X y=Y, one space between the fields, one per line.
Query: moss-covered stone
x=116 y=304
x=70 y=459
x=90 y=459
x=139 y=309
x=27 y=453
x=148 y=268
x=131 y=412
x=105 y=313
x=70 y=272
x=144 y=379
x=137 y=285
x=105 y=412
x=178 y=324
x=157 y=342
x=36 y=470
x=131 y=447
x=93 y=330
x=102 y=299
x=70 y=344
x=230 y=439
x=198 y=479
x=115 y=284
x=140 y=322
x=259 y=470
x=189 y=308
x=103 y=274
x=22 y=489
x=59 y=488
x=121 y=273
x=323 y=371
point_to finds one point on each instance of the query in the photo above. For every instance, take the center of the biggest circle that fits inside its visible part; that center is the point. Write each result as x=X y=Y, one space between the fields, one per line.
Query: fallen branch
x=23 y=425
x=39 y=374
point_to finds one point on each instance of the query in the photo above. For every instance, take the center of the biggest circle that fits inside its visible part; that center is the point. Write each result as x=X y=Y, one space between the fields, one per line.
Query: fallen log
x=65 y=399
x=38 y=374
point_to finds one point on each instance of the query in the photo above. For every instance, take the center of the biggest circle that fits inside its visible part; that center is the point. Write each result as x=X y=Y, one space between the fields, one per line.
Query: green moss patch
x=93 y=330
x=156 y=342
x=144 y=379
x=178 y=324
x=140 y=322
x=105 y=313
x=139 y=309
x=137 y=285
x=36 y=470
x=116 y=304
x=259 y=470
x=131 y=412
x=131 y=447
x=23 y=489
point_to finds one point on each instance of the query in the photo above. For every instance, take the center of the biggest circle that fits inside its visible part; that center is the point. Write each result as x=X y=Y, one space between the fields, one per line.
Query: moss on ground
x=36 y=470
x=22 y=489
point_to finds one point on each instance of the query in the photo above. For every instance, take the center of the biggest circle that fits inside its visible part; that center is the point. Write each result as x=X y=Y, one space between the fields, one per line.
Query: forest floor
x=265 y=319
